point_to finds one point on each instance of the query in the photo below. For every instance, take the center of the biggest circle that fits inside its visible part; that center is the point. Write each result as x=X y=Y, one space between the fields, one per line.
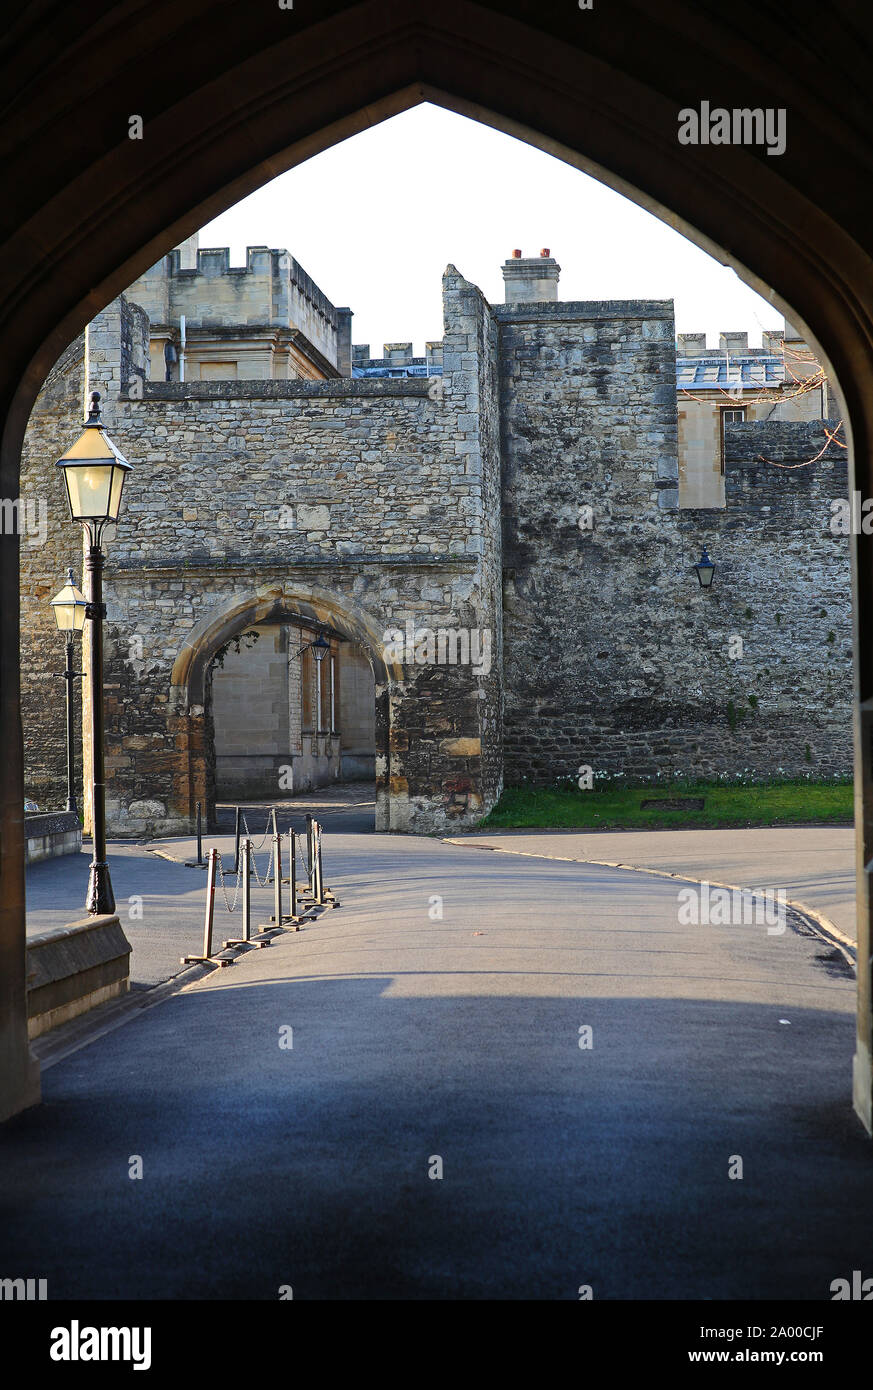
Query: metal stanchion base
x=287 y=924
x=220 y=959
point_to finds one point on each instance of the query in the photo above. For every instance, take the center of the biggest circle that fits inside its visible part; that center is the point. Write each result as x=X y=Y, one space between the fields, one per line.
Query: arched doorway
x=285 y=610
x=600 y=88
x=283 y=721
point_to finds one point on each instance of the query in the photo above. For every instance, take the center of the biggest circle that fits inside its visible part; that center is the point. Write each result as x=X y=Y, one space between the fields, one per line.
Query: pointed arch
x=290 y=602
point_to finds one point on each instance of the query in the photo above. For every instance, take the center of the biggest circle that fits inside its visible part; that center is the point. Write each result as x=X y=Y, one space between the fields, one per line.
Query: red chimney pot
x=516 y=255
x=545 y=251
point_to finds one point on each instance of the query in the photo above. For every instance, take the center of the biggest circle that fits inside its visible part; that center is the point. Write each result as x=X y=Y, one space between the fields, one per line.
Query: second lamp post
x=70 y=608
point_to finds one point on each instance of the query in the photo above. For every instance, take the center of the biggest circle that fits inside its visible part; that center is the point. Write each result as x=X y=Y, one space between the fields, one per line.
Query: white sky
x=376 y=219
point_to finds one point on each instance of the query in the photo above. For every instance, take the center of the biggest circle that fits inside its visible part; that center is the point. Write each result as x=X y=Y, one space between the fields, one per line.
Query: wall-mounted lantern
x=705 y=570
x=319 y=648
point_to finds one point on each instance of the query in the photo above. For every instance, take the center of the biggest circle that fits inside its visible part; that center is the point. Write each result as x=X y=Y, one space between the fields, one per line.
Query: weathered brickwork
x=362 y=504
x=44 y=571
x=452 y=503
x=641 y=672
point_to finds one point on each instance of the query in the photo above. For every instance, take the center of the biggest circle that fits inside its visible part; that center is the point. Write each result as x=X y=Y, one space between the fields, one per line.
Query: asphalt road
x=160 y=905
x=815 y=865
x=419 y=1036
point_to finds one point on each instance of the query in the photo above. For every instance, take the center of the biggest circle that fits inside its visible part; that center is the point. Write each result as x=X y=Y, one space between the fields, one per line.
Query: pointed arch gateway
x=228 y=103
x=279 y=603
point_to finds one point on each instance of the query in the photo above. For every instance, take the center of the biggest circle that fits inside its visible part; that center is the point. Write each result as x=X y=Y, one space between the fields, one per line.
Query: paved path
x=417 y=1035
x=815 y=865
x=160 y=905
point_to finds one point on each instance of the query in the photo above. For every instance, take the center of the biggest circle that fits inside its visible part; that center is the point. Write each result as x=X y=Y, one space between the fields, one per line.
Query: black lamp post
x=94 y=472
x=70 y=608
x=705 y=570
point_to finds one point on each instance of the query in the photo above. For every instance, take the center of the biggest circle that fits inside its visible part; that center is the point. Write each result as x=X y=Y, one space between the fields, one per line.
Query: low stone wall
x=50 y=834
x=74 y=969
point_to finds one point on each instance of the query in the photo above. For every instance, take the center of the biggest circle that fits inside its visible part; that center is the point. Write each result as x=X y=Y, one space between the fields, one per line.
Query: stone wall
x=54 y=542
x=43 y=572
x=364 y=504
x=588 y=406
x=385 y=508
x=640 y=672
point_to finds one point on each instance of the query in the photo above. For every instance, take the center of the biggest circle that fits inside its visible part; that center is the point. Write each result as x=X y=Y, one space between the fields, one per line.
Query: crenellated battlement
x=213 y=262
x=199 y=285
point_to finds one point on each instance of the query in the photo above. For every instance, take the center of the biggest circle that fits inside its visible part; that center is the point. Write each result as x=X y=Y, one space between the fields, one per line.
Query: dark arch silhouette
x=230 y=96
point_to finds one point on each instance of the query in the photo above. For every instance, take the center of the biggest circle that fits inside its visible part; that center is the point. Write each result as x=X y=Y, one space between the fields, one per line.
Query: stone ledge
x=74 y=968
x=219 y=565
x=51 y=834
x=277 y=389
x=576 y=309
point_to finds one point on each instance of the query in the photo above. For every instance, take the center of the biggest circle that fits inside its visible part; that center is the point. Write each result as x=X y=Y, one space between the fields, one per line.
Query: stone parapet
x=73 y=969
x=51 y=834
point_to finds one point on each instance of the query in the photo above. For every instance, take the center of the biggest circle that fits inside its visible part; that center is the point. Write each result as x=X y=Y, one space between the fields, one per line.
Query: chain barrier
x=307 y=872
x=266 y=833
x=246 y=867
x=230 y=908
x=262 y=882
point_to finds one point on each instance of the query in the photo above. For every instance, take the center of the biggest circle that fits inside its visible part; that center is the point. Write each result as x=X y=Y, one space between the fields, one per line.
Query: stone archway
x=288 y=602
x=228 y=106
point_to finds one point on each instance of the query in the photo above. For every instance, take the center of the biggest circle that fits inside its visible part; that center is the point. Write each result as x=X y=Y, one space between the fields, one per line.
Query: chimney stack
x=531 y=279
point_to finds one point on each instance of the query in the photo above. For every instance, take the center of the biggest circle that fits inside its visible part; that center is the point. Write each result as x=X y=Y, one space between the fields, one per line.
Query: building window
x=307 y=680
x=333 y=695
x=730 y=415
x=325 y=695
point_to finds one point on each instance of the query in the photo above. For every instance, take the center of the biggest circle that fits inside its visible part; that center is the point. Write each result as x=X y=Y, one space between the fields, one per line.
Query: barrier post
x=207 y=957
x=316 y=863
x=236 y=828
x=277 y=874
x=292 y=876
x=326 y=895
x=247 y=890
x=210 y=898
x=246 y=939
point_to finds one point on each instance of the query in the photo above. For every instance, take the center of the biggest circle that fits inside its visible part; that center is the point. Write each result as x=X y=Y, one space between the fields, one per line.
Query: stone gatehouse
x=527 y=491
